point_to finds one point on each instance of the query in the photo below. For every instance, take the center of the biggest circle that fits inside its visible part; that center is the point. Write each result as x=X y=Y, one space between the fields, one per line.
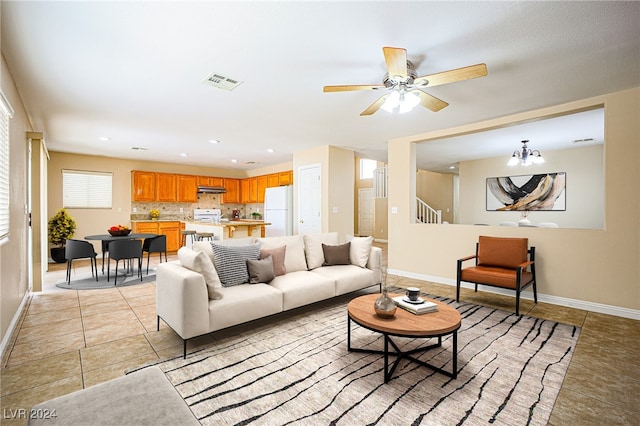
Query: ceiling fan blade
x=430 y=101
x=374 y=106
x=396 y=59
x=348 y=88
x=451 y=76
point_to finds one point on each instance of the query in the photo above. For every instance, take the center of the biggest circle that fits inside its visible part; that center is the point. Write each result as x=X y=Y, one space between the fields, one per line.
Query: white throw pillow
x=313 y=247
x=294 y=259
x=360 y=249
x=198 y=261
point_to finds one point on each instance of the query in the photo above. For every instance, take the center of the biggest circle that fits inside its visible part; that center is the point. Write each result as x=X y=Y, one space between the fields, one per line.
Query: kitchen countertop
x=241 y=222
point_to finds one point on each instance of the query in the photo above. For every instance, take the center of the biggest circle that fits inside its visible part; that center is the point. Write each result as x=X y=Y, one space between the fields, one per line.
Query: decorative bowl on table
x=119 y=232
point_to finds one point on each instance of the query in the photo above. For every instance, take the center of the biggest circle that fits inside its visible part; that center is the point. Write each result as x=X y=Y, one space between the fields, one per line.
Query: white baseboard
x=554 y=300
x=14 y=323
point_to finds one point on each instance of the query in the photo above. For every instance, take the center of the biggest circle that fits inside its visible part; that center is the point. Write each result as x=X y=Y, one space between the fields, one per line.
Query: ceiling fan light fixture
x=410 y=101
x=392 y=102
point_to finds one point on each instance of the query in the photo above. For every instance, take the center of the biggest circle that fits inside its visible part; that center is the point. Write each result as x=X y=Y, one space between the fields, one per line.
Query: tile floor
x=69 y=340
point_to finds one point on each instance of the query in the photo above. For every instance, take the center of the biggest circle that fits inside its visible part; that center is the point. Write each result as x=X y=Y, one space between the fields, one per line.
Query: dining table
x=107 y=238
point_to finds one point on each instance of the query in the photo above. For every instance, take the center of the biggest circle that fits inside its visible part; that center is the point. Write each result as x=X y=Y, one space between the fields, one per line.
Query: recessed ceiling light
x=184 y=154
x=452 y=167
x=214 y=141
x=234 y=161
x=104 y=139
x=270 y=150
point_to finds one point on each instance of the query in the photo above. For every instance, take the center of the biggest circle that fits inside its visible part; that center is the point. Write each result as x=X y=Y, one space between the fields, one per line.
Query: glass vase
x=384 y=306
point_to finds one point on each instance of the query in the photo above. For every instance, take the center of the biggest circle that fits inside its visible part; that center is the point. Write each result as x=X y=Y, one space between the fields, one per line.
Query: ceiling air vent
x=221 y=82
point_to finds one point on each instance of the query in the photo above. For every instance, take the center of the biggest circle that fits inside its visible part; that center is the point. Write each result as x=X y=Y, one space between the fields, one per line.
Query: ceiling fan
x=405 y=86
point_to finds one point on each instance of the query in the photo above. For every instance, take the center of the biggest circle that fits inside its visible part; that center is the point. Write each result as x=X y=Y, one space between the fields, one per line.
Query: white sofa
x=188 y=304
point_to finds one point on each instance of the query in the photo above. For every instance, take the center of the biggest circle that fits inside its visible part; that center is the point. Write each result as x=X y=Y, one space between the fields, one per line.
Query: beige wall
x=576 y=266
x=14 y=263
x=584 y=192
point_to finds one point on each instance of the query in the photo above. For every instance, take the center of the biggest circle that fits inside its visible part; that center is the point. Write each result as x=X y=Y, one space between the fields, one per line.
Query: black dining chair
x=125 y=250
x=155 y=245
x=105 y=249
x=78 y=249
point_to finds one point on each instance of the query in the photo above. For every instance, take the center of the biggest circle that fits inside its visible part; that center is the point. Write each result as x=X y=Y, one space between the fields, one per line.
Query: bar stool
x=185 y=233
x=201 y=236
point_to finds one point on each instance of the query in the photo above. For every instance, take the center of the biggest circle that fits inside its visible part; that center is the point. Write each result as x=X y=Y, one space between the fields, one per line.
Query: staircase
x=426 y=214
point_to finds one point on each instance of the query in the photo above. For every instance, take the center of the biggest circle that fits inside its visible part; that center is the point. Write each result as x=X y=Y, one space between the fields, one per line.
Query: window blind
x=5 y=115
x=86 y=189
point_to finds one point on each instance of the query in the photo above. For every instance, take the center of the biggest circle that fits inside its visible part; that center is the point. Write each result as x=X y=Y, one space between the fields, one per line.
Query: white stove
x=207 y=215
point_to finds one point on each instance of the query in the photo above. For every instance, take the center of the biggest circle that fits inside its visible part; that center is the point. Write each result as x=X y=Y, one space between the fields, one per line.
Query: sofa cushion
x=243 y=303
x=348 y=278
x=231 y=262
x=278 y=255
x=302 y=288
x=260 y=270
x=359 y=251
x=336 y=254
x=198 y=261
x=294 y=259
x=313 y=247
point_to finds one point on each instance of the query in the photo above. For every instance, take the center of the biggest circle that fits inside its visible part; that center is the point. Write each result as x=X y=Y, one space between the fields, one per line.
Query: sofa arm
x=182 y=300
x=375 y=263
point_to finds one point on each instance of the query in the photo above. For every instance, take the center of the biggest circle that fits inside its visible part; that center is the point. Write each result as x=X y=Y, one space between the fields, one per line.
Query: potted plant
x=256 y=216
x=61 y=227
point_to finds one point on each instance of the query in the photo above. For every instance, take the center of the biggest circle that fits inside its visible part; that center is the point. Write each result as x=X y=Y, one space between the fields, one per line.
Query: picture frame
x=535 y=192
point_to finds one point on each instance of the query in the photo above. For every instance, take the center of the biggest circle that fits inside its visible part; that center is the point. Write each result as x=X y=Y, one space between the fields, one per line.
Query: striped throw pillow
x=231 y=262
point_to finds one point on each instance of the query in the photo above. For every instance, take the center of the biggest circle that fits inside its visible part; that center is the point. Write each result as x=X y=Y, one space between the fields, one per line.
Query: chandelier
x=526 y=157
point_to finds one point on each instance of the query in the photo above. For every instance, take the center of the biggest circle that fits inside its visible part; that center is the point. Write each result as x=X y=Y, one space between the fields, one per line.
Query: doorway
x=309 y=199
x=366 y=212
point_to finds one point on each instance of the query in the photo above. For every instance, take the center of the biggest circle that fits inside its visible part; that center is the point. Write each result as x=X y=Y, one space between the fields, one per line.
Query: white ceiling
x=132 y=71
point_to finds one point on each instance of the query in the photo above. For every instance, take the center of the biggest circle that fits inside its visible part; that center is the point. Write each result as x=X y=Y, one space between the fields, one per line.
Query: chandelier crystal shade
x=526 y=157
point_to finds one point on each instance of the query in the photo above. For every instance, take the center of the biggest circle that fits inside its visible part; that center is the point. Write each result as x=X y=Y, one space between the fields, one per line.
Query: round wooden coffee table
x=446 y=320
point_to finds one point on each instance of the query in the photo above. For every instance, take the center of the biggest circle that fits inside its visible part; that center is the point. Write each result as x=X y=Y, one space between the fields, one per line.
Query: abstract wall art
x=527 y=192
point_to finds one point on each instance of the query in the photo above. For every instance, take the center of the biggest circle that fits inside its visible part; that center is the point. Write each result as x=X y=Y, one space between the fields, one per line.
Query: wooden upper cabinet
x=244 y=191
x=143 y=186
x=203 y=181
x=166 y=187
x=233 y=191
x=253 y=190
x=273 y=180
x=187 y=189
x=285 y=178
x=261 y=185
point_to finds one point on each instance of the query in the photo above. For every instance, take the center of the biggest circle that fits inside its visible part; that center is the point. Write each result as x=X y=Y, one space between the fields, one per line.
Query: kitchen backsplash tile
x=205 y=201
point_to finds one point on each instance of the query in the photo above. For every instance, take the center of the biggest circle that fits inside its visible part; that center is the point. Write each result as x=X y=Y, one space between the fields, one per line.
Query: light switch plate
x=394 y=210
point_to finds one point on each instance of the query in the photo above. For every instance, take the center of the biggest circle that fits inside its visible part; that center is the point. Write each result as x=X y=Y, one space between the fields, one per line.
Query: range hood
x=211 y=189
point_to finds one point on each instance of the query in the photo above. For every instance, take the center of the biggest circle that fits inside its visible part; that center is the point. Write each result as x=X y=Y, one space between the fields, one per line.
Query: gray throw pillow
x=278 y=255
x=231 y=262
x=336 y=255
x=261 y=270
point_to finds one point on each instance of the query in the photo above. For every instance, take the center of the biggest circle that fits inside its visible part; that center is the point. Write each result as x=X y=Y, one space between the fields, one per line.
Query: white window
x=367 y=167
x=5 y=115
x=90 y=190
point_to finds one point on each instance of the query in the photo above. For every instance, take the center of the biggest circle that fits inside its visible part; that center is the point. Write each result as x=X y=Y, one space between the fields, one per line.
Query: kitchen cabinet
x=273 y=180
x=253 y=190
x=286 y=178
x=261 y=185
x=232 y=186
x=171 y=229
x=187 y=189
x=143 y=186
x=244 y=191
x=166 y=187
x=210 y=181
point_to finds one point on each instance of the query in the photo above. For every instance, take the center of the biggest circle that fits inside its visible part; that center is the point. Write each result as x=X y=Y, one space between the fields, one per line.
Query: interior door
x=366 y=211
x=309 y=200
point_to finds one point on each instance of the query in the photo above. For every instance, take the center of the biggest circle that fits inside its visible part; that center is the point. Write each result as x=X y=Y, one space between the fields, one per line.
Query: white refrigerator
x=278 y=210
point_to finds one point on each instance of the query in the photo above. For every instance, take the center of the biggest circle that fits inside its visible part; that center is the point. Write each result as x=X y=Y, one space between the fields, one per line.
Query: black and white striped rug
x=296 y=370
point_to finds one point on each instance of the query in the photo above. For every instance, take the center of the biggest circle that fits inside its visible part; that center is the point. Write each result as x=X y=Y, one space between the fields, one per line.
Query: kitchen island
x=242 y=228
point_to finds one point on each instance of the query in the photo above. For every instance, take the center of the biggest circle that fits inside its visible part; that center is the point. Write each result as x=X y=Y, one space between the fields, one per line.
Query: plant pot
x=57 y=254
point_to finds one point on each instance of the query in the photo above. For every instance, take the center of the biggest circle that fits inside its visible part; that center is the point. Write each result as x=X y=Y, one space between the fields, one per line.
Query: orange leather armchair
x=500 y=262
